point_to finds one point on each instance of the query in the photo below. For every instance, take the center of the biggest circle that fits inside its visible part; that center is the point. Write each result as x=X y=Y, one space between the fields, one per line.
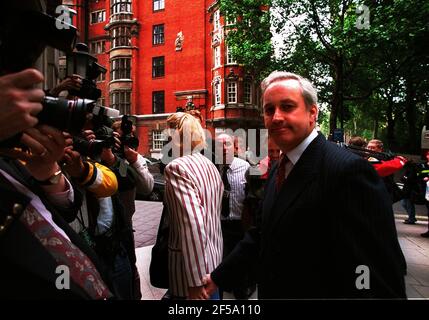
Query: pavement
x=415 y=248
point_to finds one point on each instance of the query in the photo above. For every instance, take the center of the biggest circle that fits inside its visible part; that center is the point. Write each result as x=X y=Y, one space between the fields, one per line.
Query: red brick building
x=162 y=54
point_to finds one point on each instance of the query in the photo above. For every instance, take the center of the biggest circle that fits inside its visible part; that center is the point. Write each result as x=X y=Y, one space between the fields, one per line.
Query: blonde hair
x=187 y=128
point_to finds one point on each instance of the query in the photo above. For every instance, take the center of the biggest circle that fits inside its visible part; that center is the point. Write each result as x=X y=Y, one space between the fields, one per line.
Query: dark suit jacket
x=332 y=215
x=27 y=270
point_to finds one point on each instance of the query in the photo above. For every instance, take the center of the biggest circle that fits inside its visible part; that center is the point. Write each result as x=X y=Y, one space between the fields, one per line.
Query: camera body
x=103 y=139
x=85 y=65
x=127 y=138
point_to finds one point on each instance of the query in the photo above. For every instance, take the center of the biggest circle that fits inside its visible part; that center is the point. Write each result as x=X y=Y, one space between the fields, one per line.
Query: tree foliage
x=370 y=79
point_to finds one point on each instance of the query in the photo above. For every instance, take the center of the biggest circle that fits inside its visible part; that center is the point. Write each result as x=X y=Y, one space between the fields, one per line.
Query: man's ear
x=314 y=112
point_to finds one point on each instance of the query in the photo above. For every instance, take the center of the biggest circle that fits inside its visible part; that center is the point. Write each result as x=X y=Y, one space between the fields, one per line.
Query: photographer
x=103 y=211
x=133 y=176
x=35 y=198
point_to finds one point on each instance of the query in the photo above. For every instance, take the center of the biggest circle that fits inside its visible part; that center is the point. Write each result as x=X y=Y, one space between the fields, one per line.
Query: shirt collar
x=296 y=153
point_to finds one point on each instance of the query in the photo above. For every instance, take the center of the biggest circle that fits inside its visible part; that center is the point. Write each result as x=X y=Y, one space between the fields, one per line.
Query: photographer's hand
x=19 y=102
x=130 y=154
x=70 y=83
x=47 y=146
x=108 y=157
x=74 y=163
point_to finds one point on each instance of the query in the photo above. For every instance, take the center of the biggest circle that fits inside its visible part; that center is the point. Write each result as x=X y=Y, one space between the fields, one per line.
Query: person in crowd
x=410 y=191
x=41 y=256
x=135 y=178
x=386 y=169
x=104 y=213
x=318 y=239
x=193 y=197
x=357 y=141
x=267 y=163
x=232 y=170
x=423 y=179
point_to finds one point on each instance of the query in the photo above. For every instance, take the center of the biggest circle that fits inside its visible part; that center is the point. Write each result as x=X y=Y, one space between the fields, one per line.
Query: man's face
x=273 y=151
x=286 y=117
x=225 y=147
x=374 y=147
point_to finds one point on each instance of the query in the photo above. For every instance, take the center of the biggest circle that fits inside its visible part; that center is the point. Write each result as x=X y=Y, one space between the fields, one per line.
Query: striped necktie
x=281 y=172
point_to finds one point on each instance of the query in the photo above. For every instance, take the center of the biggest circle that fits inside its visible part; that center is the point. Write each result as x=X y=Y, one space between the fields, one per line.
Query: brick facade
x=189 y=73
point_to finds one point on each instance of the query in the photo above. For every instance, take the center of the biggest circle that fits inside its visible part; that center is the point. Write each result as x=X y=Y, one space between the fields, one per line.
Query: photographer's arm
x=144 y=181
x=96 y=178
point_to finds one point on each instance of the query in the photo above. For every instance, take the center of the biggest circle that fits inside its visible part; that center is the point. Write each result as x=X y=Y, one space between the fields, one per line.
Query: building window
x=157 y=140
x=232 y=92
x=158 y=34
x=101 y=102
x=216 y=56
x=98 y=16
x=121 y=37
x=157 y=67
x=247 y=97
x=101 y=77
x=217 y=93
x=158 y=101
x=97 y=47
x=158 y=5
x=120 y=68
x=216 y=20
x=121 y=100
x=229 y=57
x=120 y=6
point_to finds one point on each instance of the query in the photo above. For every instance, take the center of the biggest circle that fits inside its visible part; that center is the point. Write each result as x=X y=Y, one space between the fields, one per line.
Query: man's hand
x=70 y=83
x=20 y=102
x=47 y=146
x=108 y=157
x=209 y=284
x=130 y=154
x=74 y=164
x=197 y=293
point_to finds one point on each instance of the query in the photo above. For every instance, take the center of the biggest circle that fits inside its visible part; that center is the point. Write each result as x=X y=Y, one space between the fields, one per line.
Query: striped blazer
x=193 y=197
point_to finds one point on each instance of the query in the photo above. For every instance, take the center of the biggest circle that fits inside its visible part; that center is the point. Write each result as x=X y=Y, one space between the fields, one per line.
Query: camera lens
x=65 y=115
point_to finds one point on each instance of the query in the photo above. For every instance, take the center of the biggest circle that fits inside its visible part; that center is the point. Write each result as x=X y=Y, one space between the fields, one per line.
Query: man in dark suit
x=328 y=229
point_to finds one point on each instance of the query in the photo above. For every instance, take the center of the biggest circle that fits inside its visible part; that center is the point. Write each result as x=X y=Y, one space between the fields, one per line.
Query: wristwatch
x=52 y=180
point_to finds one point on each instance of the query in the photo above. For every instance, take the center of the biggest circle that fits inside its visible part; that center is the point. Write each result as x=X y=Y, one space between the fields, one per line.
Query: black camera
x=92 y=148
x=103 y=139
x=85 y=65
x=71 y=115
x=24 y=34
x=127 y=138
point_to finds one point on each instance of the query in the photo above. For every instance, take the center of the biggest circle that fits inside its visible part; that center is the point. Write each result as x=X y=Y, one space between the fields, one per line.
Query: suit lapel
x=303 y=172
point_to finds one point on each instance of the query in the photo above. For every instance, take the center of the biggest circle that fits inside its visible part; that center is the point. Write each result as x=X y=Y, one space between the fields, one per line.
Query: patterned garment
x=82 y=270
x=237 y=180
x=193 y=196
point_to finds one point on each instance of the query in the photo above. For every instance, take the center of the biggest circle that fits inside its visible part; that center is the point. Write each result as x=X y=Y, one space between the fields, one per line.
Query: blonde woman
x=193 y=197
